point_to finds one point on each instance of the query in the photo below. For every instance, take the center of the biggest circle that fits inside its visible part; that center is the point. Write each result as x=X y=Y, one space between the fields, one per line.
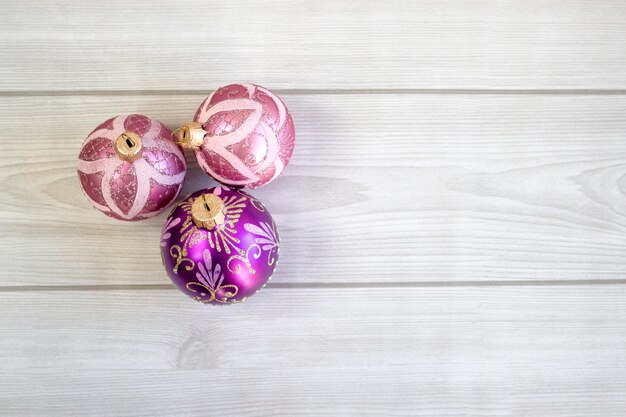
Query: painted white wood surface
x=491 y=135
x=304 y=44
x=486 y=351
x=381 y=189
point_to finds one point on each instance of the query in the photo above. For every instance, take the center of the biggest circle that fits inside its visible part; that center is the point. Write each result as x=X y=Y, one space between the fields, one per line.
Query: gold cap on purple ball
x=208 y=211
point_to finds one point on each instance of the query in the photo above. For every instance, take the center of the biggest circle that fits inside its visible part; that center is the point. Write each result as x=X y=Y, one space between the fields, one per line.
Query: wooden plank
x=190 y=45
x=382 y=188
x=445 y=351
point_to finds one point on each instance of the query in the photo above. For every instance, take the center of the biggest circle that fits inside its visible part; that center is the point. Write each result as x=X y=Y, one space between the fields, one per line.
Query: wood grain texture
x=401 y=44
x=381 y=189
x=453 y=221
x=486 y=351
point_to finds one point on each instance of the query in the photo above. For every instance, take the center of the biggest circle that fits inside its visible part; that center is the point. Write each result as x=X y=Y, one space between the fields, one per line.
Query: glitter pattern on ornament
x=220 y=245
x=130 y=169
x=242 y=135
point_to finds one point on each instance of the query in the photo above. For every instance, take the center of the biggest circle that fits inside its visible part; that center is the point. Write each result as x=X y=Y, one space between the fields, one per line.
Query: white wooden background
x=453 y=218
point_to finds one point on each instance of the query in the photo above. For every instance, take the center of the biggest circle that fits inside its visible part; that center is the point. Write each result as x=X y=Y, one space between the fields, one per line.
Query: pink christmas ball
x=130 y=168
x=242 y=135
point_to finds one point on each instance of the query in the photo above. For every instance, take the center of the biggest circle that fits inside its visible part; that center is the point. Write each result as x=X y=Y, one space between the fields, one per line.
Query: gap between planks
x=351 y=285
x=379 y=91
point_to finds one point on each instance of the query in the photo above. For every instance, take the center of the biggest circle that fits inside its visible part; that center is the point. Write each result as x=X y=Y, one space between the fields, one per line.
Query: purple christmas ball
x=220 y=245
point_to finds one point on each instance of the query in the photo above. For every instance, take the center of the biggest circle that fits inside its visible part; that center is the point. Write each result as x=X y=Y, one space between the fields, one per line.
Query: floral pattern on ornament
x=267 y=239
x=123 y=189
x=210 y=288
x=221 y=238
x=208 y=274
x=250 y=135
x=172 y=222
x=254 y=202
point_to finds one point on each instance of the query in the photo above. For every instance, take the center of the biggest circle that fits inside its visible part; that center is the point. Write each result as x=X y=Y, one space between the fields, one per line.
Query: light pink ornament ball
x=242 y=135
x=130 y=168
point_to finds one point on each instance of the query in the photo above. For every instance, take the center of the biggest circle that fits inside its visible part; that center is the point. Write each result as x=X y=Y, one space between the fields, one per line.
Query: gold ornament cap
x=208 y=211
x=128 y=146
x=191 y=135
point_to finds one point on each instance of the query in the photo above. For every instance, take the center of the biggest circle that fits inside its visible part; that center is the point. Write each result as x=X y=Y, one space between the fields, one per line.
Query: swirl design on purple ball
x=211 y=279
x=267 y=237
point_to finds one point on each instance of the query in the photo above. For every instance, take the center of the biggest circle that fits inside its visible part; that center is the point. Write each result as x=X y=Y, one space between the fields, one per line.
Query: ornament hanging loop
x=208 y=211
x=129 y=146
x=190 y=135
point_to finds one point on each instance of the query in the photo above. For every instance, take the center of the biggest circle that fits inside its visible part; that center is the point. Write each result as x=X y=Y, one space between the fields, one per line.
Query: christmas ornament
x=219 y=245
x=129 y=167
x=242 y=135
